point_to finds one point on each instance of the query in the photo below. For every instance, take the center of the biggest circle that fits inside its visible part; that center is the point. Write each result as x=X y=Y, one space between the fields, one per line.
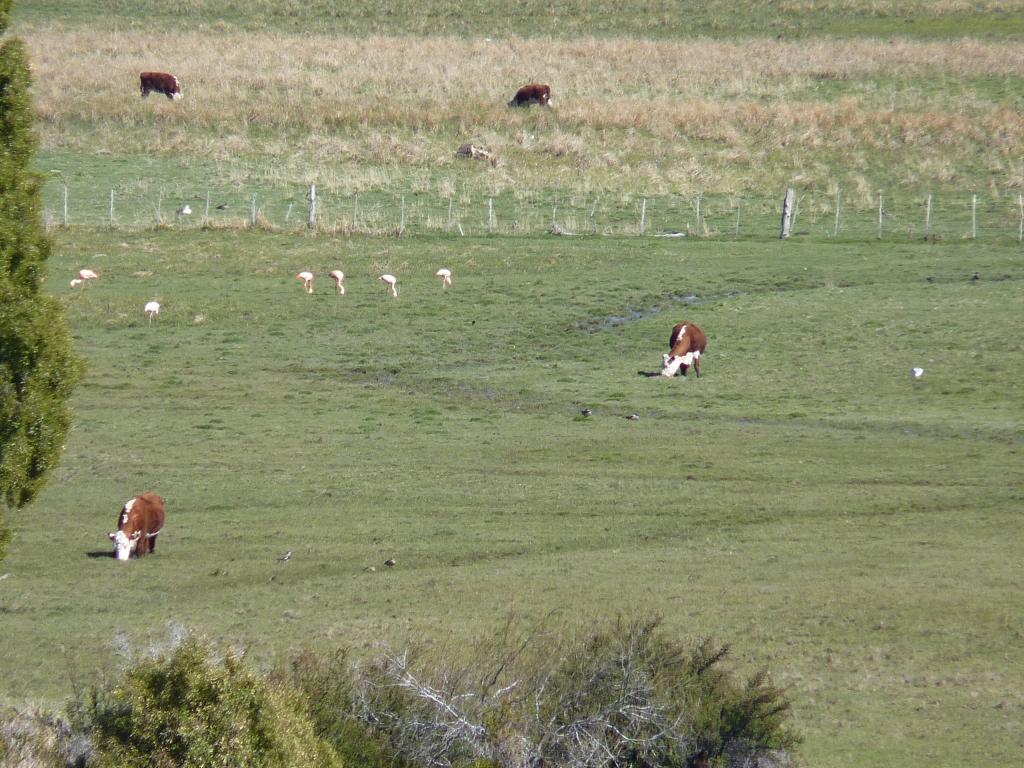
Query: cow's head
x=124 y=544
x=670 y=365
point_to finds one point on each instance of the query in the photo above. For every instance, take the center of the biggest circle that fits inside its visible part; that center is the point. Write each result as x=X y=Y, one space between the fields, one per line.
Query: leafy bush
x=327 y=687
x=627 y=695
x=189 y=708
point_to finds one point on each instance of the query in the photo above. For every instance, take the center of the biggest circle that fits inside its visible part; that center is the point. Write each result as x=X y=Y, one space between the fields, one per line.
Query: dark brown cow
x=534 y=93
x=686 y=345
x=141 y=519
x=161 y=82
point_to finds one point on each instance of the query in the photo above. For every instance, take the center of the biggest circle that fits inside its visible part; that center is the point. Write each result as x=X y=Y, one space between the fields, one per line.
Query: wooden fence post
x=110 y=215
x=312 y=207
x=835 y=227
x=643 y=217
x=206 y=215
x=401 y=216
x=974 y=217
x=450 y=202
x=65 y=204
x=928 y=217
x=787 y=213
x=1020 y=227
x=252 y=213
x=879 y=215
x=490 y=215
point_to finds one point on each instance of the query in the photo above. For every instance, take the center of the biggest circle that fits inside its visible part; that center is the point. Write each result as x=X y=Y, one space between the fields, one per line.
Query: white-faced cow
x=686 y=345
x=534 y=93
x=141 y=519
x=160 y=82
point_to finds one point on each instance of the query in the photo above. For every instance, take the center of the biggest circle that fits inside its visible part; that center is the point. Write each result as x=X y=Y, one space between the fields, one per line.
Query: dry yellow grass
x=627 y=111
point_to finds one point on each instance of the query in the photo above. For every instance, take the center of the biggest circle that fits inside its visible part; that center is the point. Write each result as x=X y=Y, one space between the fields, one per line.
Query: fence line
x=886 y=215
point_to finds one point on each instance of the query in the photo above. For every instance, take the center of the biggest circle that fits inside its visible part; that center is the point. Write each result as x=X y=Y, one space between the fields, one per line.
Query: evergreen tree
x=38 y=367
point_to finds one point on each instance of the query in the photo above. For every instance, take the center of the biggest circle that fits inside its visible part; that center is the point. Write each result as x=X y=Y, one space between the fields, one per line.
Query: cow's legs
x=152 y=544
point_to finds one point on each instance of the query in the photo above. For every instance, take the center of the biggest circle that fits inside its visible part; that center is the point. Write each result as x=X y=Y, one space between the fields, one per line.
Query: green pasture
x=852 y=530
x=997 y=19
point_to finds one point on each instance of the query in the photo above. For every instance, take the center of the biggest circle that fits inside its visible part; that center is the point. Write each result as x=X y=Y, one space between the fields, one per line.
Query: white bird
x=87 y=274
x=75 y=281
x=152 y=309
x=184 y=211
x=446 y=277
x=339 y=280
x=392 y=281
x=286 y=556
x=916 y=372
x=307 y=280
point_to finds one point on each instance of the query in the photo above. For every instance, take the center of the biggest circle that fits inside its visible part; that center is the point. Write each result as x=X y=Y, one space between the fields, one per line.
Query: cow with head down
x=534 y=93
x=686 y=345
x=141 y=519
x=160 y=82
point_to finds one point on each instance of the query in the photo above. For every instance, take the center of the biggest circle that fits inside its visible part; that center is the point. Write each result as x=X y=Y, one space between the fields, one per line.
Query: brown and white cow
x=141 y=519
x=686 y=345
x=534 y=93
x=161 y=82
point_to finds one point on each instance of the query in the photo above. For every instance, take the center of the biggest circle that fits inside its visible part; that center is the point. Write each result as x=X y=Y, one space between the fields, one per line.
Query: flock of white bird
x=152 y=308
x=390 y=281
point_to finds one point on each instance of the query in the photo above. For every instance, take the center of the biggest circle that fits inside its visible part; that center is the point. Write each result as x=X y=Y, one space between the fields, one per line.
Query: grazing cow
x=686 y=345
x=161 y=82
x=141 y=519
x=534 y=93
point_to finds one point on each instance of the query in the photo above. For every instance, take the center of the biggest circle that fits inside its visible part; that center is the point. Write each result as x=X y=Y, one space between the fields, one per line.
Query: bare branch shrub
x=37 y=739
x=625 y=695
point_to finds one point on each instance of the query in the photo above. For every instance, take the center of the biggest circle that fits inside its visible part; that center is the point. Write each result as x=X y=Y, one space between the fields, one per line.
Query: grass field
x=805 y=500
x=564 y=18
x=266 y=110
x=853 y=530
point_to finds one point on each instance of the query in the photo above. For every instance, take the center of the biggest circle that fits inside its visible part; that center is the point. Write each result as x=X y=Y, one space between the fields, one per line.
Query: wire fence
x=887 y=216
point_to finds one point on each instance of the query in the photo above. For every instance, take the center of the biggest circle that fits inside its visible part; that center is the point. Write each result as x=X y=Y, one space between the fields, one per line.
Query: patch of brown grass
x=628 y=110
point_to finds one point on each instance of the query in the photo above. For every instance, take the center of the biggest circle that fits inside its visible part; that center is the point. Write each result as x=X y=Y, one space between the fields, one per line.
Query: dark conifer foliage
x=38 y=367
